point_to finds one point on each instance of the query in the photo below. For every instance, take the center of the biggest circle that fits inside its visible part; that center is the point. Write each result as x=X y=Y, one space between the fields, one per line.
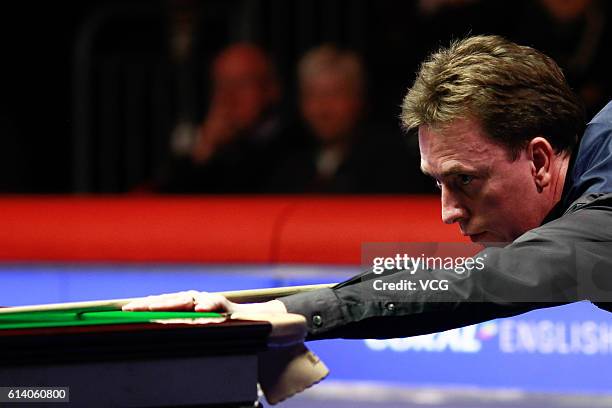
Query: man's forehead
x=461 y=135
x=457 y=147
x=241 y=61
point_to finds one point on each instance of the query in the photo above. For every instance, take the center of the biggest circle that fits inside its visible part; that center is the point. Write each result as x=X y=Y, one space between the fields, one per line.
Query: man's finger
x=170 y=301
x=171 y=304
x=210 y=302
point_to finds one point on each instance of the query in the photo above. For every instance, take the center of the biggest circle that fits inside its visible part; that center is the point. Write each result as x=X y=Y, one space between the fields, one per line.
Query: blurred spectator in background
x=576 y=34
x=346 y=155
x=245 y=91
x=235 y=146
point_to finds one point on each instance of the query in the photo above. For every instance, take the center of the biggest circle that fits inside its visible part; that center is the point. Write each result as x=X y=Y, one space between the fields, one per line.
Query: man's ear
x=540 y=153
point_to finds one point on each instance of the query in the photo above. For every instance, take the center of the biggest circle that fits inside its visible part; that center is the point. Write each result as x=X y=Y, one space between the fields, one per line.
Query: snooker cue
x=237 y=296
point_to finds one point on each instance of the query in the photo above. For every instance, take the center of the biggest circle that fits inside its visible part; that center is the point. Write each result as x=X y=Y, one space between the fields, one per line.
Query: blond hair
x=514 y=92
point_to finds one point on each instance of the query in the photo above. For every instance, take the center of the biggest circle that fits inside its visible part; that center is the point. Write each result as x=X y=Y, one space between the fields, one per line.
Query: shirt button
x=390 y=307
x=317 y=320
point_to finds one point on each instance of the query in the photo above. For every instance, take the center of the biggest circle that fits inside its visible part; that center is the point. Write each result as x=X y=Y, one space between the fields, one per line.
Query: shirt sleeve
x=547 y=266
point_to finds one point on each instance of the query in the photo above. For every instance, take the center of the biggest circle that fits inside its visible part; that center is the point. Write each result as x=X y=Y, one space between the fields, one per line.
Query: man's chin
x=488 y=240
x=478 y=238
x=494 y=244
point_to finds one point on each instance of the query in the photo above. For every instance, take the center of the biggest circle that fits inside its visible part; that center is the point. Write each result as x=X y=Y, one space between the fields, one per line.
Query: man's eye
x=464 y=179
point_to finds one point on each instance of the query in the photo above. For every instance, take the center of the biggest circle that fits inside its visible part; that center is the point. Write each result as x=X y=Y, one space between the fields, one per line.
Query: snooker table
x=142 y=364
x=141 y=359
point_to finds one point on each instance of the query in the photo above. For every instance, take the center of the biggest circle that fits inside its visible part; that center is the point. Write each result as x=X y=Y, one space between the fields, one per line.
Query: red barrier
x=317 y=230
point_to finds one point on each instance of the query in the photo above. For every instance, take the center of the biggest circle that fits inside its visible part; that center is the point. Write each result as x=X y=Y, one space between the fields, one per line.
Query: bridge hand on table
x=201 y=302
x=187 y=300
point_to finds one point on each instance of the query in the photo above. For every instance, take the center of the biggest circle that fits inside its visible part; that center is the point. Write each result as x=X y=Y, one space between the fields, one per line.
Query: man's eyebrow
x=450 y=171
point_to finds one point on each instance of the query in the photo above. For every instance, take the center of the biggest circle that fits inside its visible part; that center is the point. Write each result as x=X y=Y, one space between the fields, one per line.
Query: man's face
x=492 y=198
x=331 y=105
x=242 y=87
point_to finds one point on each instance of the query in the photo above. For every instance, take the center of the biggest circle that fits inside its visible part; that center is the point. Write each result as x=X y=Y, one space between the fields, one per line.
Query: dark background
x=91 y=90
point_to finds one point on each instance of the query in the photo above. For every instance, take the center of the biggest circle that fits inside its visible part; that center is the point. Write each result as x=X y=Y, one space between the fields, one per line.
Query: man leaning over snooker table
x=498 y=130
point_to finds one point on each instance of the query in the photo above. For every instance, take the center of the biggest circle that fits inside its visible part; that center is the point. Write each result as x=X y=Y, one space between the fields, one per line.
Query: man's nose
x=452 y=210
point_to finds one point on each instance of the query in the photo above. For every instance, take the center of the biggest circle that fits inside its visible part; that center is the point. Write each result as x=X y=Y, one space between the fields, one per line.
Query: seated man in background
x=498 y=129
x=236 y=143
x=346 y=154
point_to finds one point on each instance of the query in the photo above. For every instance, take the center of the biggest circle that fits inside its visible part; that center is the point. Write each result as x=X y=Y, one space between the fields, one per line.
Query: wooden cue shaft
x=263 y=295
x=238 y=296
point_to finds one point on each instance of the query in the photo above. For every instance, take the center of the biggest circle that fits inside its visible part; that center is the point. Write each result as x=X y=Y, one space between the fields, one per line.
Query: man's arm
x=544 y=267
x=540 y=269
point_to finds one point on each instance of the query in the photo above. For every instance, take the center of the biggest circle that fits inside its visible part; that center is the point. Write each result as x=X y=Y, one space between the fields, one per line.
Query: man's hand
x=217 y=130
x=188 y=300
x=201 y=302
